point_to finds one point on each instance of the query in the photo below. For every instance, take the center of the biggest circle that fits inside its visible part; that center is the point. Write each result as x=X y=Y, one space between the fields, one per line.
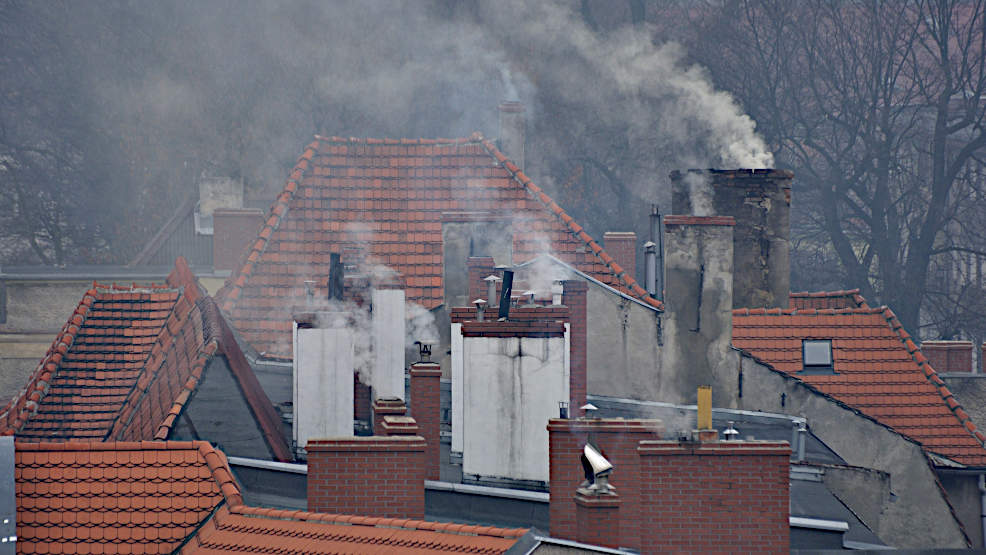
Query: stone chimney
x=622 y=246
x=698 y=281
x=949 y=356
x=760 y=202
x=512 y=131
x=376 y=476
x=323 y=376
x=219 y=192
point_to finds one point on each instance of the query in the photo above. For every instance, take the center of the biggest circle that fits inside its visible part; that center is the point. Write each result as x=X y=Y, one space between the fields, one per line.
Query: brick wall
x=718 y=496
x=426 y=410
x=598 y=519
x=479 y=268
x=622 y=246
x=949 y=356
x=617 y=438
x=371 y=475
x=232 y=230
x=390 y=406
x=574 y=297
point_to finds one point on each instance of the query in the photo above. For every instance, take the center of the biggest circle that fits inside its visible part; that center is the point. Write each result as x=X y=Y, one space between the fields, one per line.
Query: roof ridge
x=230 y=292
x=806 y=311
x=931 y=375
x=578 y=231
x=21 y=406
x=383 y=522
x=474 y=138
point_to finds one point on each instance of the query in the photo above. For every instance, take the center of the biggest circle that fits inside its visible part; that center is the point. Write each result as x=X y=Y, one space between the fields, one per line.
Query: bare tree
x=878 y=107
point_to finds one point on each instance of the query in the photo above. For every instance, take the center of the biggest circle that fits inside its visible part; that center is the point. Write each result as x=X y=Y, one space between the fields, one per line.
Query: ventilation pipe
x=491 y=287
x=337 y=277
x=505 y=293
x=653 y=254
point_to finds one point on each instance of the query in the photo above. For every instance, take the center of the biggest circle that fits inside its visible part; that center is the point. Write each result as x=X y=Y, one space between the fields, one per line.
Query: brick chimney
x=760 y=202
x=617 y=440
x=381 y=476
x=426 y=410
x=480 y=267
x=718 y=496
x=384 y=407
x=949 y=356
x=622 y=246
x=233 y=230
x=597 y=517
x=698 y=281
x=399 y=426
x=512 y=130
x=574 y=297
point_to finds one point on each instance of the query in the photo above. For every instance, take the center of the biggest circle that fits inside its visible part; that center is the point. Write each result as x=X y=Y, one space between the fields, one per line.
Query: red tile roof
x=249 y=529
x=878 y=371
x=101 y=497
x=386 y=199
x=156 y=497
x=828 y=299
x=126 y=364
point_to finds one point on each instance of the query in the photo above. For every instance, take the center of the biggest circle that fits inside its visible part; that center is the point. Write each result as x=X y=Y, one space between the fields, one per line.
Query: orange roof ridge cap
x=219 y=466
x=76 y=445
x=25 y=405
x=540 y=196
x=379 y=522
x=235 y=283
x=931 y=375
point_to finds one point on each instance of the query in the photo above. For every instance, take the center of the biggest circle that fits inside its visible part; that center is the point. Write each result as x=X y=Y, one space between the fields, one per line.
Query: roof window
x=816 y=356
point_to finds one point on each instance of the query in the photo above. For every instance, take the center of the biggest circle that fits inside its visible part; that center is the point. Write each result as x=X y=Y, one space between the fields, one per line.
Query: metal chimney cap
x=502 y=267
x=492 y=277
x=650 y=244
x=479 y=302
x=589 y=406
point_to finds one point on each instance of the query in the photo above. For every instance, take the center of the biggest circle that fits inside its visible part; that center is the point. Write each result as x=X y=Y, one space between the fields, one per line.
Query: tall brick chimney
x=426 y=410
x=698 y=281
x=760 y=202
x=512 y=131
x=622 y=246
x=949 y=356
x=380 y=476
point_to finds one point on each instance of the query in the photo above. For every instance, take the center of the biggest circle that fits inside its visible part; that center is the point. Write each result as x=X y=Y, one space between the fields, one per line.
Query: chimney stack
x=323 y=376
x=376 y=476
x=760 y=202
x=698 y=281
x=426 y=410
x=233 y=229
x=622 y=246
x=948 y=356
x=512 y=130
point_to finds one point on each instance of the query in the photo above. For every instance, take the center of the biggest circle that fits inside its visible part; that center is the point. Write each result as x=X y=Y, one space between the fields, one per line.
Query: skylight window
x=816 y=355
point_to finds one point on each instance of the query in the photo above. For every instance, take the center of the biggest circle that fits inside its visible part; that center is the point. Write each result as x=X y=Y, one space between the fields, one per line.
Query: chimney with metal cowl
x=512 y=130
x=760 y=202
x=597 y=504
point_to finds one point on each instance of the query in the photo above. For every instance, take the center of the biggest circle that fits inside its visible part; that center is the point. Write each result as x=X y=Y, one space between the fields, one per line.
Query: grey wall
x=963 y=492
x=622 y=352
x=919 y=515
x=219 y=413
